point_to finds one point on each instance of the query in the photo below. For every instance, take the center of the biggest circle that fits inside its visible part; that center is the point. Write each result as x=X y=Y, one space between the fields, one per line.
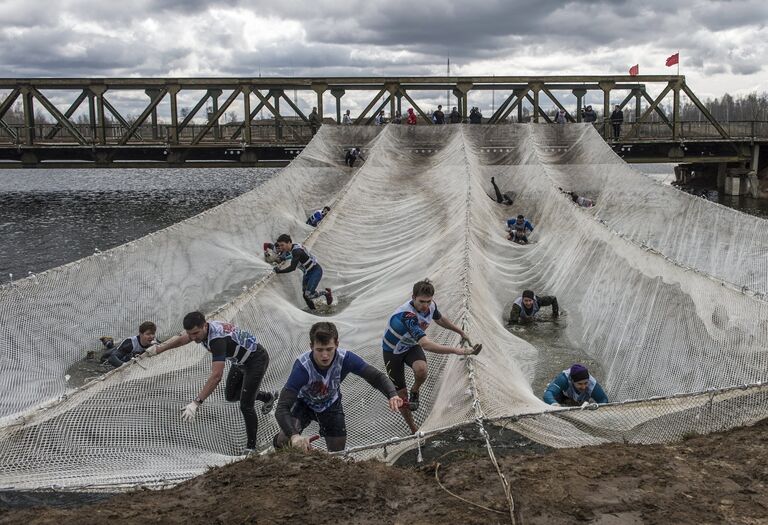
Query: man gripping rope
x=404 y=343
x=307 y=263
x=249 y=361
x=313 y=390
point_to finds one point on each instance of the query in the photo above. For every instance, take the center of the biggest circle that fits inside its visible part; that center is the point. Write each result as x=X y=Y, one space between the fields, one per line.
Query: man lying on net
x=129 y=348
x=248 y=363
x=313 y=391
x=526 y=307
x=518 y=229
x=317 y=216
x=507 y=197
x=307 y=263
x=405 y=340
x=573 y=387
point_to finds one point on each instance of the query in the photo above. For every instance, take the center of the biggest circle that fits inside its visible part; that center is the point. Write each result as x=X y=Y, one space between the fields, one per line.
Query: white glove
x=151 y=351
x=300 y=442
x=555 y=405
x=188 y=412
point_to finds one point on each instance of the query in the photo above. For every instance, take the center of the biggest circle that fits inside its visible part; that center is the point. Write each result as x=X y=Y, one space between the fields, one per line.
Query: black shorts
x=395 y=364
x=331 y=420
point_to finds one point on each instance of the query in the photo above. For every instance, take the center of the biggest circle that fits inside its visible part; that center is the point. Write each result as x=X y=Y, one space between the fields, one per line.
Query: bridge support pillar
x=214 y=94
x=29 y=116
x=393 y=89
x=337 y=93
x=607 y=87
x=319 y=89
x=92 y=116
x=173 y=132
x=579 y=94
x=152 y=93
x=754 y=184
x=535 y=88
x=276 y=94
x=462 y=94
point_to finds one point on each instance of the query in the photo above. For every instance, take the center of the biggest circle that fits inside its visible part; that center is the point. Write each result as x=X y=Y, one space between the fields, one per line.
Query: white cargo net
x=663 y=290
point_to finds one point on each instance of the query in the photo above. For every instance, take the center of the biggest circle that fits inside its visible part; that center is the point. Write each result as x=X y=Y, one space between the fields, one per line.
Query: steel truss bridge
x=162 y=135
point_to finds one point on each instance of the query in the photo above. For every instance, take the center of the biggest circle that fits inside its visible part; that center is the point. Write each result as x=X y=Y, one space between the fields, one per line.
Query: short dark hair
x=147 y=326
x=285 y=238
x=323 y=333
x=424 y=288
x=326 y=208
x=521 y=216
x=193 y=320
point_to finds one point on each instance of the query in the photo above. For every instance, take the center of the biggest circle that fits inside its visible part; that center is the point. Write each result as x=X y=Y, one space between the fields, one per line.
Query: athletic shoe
x=476 y=349
x=413 y=401
x=267 y=406
x=328 y=296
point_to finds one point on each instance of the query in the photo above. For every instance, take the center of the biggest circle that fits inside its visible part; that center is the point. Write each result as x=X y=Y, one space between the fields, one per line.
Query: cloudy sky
x=722 y=44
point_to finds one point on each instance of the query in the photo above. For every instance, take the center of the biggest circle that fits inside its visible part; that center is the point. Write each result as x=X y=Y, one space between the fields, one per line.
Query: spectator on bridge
x=129 y=348
x=455 y=116
x=518 y=229
x=346 y=119
x=573 y=387
x=411 y=119
x=352 y=155
x=475 y=117
x=560 y=117
x=398 y=118
x=317 y=216
x=380 y=120
x=617 y=118
x=526 y=307
x=589 y=115
x=438 y=117
x=507 y=198
x=314 y=121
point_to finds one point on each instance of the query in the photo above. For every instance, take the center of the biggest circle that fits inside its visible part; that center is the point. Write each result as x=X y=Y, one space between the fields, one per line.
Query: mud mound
x=720 y=478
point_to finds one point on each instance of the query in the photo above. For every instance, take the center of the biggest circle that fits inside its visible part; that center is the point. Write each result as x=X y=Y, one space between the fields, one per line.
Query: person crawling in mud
x=405 y=340
x=580 y=201
x=248 y=359
x=317 y=216
x=352 y=155
x=518 y=229
x=129 y=348
x=507 y=197
x=313 y=391
x=573 y=387
x=526 y=307
x=307 y=263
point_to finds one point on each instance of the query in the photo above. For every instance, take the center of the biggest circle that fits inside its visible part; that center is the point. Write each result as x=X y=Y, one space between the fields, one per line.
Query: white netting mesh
x=659 y=320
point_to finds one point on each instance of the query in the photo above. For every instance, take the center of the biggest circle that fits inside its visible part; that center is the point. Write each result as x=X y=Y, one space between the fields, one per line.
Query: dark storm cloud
x=397 y=37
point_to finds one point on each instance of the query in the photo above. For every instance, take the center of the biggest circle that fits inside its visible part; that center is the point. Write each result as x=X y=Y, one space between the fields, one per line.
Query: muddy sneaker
x=413 y=401
x=267 y=406
x=328 y=296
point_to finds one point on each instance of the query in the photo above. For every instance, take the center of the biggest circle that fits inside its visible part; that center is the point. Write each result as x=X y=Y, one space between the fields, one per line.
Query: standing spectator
x=346 y=119
x=314 y=121
x=398 y=118
x=438 y=117
x=475 y=117
x=411 y=117
x=560 y=117
x=380 y=120
x=589 y=115
x=617 y=118
x=455 y=117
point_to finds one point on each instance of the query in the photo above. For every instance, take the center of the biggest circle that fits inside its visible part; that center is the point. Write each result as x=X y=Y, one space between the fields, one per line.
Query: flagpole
x=678 y=62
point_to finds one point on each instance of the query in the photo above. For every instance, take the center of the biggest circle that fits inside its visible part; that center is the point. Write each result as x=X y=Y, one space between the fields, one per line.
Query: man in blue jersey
x=313 y=390
x=518 y=229
x=573 y=387
x=317 y=216
x=404 y=343
x=526 y=307
x=248 y=359
x=307 y=263
x=129 y=348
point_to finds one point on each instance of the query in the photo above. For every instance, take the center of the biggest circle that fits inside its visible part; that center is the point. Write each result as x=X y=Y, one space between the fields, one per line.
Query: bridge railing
x=689 y=130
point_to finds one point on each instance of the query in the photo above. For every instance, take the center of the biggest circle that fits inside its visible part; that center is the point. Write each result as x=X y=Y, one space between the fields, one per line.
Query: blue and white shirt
x=318 y=388
x=227 y=342
x=406 y=326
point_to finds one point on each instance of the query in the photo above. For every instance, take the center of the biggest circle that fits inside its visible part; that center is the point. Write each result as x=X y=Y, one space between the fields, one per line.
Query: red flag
x=634 y=70
x=674 y=59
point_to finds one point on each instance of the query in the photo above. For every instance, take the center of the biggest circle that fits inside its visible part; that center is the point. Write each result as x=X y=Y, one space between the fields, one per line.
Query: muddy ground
x=713 y=479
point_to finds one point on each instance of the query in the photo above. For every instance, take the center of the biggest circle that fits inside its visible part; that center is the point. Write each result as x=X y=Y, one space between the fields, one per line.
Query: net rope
x=663 y=290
